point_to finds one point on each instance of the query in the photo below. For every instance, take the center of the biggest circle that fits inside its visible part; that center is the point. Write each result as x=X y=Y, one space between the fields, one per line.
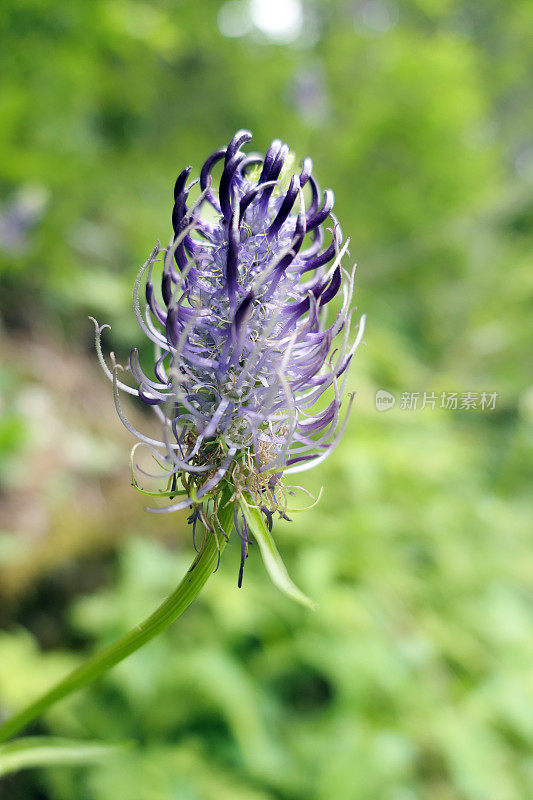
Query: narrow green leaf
x=44 y=751
x=271 y=557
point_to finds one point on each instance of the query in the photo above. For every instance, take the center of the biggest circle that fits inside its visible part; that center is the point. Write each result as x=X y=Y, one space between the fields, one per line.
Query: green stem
x=164 y=616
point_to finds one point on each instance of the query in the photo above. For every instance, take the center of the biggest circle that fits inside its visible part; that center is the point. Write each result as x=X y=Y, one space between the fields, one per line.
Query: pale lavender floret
x=244 y=352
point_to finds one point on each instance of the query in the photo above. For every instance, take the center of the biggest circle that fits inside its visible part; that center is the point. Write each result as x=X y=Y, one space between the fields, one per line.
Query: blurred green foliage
x=414 y=678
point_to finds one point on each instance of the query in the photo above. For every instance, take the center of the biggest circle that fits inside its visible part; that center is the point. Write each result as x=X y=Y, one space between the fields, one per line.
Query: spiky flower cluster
x=244 y=354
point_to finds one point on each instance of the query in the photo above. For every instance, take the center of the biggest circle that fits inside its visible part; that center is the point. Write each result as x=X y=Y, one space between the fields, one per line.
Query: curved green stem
x=164 y=616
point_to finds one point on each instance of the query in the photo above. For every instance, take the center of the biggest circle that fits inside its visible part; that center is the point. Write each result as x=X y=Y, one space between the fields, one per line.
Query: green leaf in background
x=45 y=751
x=271 y=557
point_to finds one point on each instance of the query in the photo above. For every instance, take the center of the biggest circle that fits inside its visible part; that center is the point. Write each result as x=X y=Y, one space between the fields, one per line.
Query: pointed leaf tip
x=272 y=558
x=43 y=751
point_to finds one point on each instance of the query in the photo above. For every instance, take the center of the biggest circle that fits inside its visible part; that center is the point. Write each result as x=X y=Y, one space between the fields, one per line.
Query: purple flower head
x=250 y=318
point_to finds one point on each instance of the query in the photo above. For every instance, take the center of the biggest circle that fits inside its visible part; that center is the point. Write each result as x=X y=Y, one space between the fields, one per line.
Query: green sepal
x=271 y=557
